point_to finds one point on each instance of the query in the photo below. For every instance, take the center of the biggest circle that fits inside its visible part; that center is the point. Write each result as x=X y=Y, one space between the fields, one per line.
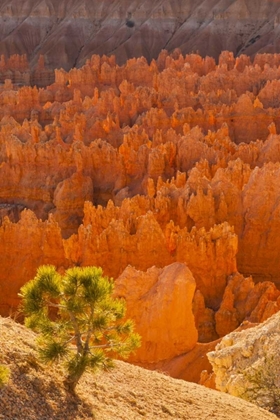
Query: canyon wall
x=165 y=174
x=68 y=33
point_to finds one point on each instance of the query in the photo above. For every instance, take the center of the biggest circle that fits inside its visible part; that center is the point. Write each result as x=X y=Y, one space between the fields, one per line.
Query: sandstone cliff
x=246 y=364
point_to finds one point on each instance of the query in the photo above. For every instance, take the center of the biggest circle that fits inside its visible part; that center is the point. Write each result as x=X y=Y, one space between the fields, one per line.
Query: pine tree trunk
x=72 y=380
x=75 y=374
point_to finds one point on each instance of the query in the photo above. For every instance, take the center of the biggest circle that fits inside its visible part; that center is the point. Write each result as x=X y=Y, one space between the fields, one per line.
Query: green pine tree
x=77 y=312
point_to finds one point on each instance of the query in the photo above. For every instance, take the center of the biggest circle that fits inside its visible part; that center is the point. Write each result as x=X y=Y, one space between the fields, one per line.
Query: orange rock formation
x=166 y=175
x=162 y=300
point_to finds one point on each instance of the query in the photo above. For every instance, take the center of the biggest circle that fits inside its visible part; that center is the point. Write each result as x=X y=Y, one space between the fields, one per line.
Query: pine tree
x=80 y=322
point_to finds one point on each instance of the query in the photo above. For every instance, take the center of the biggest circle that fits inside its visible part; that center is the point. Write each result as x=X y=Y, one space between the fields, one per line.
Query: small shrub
x=4 y=375
x=263 y=384
x=130 y=23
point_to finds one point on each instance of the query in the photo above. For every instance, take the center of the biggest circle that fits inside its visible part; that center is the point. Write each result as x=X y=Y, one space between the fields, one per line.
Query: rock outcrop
x=69 y=197
x=160 y=303
x=246 y=364
x=245 y=301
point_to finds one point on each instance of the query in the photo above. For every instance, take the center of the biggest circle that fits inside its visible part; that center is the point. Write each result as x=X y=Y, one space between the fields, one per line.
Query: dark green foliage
x=77 y=311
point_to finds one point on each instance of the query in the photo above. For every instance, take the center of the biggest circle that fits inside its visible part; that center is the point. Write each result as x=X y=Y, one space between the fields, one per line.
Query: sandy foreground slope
x=127 y=393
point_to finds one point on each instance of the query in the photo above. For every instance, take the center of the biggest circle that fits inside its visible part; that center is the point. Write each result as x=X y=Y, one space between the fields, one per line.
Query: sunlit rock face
x=69 y=32
x=246 y=364
x=159 y=301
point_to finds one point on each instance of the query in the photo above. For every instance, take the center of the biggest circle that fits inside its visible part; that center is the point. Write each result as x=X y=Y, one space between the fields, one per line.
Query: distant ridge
x=69 y=31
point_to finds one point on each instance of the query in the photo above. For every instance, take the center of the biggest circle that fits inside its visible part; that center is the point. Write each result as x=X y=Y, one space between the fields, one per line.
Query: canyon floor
x=125 y=393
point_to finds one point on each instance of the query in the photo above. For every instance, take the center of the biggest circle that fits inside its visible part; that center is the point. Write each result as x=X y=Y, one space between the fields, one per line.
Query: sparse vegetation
x=4 y=375
x=130 y=23
x=262 y=384
x=77 y=311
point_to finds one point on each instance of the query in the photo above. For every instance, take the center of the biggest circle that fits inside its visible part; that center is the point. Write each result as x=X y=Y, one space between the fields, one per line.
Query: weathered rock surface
x=70 y=32
x=24 y=245
x=246 y=364
x=245 y=301
x=69 y=197
x=160 y=303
